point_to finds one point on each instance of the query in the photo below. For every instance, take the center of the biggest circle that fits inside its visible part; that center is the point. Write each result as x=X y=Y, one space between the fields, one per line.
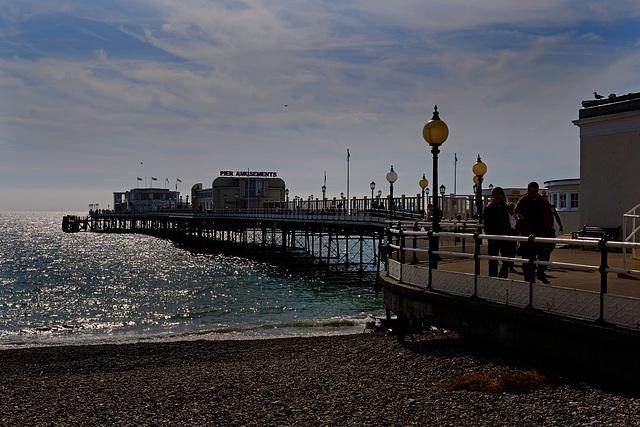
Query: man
x=496 y=221
x=535 y=216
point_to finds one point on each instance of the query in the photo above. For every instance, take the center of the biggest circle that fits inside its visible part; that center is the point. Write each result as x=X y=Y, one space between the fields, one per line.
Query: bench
x=590 y=232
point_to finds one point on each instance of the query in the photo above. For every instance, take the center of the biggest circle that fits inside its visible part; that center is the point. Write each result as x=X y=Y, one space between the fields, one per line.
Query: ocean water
x=87 y=288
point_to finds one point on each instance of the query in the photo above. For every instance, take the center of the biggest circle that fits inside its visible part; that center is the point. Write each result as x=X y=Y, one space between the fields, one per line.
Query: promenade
x=565 y=277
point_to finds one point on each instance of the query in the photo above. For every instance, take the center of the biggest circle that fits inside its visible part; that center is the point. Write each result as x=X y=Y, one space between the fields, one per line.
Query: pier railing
x=409 y=251
x=375 y=216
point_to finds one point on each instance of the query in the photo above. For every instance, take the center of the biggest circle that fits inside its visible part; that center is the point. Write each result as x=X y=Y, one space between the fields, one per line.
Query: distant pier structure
x=340 y=240
x=251 y=212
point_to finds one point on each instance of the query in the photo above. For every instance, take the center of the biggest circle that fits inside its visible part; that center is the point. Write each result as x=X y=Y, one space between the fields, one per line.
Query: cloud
x=200 y=86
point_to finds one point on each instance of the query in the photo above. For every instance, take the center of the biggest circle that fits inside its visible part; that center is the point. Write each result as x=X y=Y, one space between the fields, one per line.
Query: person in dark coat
x=496 y=221
x=535 y=217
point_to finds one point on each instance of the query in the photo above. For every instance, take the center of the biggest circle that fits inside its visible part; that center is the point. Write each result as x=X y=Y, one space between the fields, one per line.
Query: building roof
x=610 y=105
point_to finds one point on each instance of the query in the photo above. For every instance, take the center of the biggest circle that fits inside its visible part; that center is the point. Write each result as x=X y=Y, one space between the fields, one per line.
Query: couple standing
x=535 y=217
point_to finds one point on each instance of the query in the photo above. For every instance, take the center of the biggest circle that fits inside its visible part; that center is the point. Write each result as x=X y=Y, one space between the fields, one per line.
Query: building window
x=563 y=201
x=574 y=201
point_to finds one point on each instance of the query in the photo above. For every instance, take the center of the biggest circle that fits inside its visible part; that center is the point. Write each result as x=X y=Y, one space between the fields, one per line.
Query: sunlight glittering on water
x=59 y=288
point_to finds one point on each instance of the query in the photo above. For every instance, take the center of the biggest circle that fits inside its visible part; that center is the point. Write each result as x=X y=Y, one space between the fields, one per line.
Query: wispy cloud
x=195 y=87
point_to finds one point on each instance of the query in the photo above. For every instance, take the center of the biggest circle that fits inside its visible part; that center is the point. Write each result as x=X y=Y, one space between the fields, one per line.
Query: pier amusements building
x=239 y=190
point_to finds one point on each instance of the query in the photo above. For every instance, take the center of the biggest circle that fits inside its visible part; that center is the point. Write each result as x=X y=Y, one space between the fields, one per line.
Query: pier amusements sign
x=249 y=173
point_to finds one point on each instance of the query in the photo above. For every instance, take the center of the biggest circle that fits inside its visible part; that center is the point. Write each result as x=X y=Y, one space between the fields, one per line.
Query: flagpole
x=455 y=174
x=348 y=159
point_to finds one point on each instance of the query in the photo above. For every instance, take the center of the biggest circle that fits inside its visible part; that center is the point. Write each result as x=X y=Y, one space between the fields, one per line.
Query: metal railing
x=375 y=216
x=403 y=246
x=630 y=231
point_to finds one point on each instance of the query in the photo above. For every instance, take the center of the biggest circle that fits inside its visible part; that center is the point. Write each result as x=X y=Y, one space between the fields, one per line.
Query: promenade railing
x=409 y=251
x=631 y=230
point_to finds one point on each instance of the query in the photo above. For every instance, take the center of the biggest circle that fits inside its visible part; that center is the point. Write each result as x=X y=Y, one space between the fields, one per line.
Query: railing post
x=402 y=245
x=604 y=252
x=464 y=241
x=531 y=265
x=430 y=252
x=415 y=246
x=476 y=258
x=388 y=249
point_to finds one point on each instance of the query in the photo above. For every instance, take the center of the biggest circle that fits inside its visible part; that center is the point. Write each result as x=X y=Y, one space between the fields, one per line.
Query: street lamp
x=391 y=178
x=324 y=192
x=372 y=186
x=443 y=190
x=475 y=192
x=426 y=191
x=435 y=132
x=423 y=184
x=479 y=169
x=286 y=193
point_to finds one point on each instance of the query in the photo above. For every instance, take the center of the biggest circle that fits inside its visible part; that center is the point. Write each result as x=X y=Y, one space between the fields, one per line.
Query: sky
x=95 y=94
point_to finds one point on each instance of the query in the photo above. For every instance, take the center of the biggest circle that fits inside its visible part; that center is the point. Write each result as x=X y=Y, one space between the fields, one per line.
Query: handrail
x=628 y=236
x=374 y=216
x=603 y=245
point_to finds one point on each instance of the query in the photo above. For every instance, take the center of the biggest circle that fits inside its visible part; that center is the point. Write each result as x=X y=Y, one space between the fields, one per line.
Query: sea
x=84 y=288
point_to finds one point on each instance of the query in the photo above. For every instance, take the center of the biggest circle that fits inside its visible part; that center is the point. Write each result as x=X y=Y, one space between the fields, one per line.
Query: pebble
x=358 y=380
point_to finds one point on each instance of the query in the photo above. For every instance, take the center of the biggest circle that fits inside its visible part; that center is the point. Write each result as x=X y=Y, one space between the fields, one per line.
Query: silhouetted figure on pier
x=496 y=221
x=536 y=218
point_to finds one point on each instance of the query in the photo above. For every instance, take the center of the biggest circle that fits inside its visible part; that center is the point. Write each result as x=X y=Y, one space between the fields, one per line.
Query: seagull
x=612 y=95
x=597 y=96
x=286 y=105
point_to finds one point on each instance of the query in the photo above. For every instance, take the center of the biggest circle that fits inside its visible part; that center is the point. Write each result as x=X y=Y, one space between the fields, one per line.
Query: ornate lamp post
x=443 y=190
x=372 y=186
x=391 y=178
x=423 y=184
x=475 y=193
x=324 y=197
x=286 y=194
x=479 y=169
x=435 y=132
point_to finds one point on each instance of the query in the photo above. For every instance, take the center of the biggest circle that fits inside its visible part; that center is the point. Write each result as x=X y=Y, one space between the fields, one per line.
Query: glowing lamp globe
x=423 y=182
x=392 y=176
x=479 y=168
x=435 y=132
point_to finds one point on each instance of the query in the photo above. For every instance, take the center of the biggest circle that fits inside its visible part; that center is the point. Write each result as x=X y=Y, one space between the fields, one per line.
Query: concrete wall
x=609 y=166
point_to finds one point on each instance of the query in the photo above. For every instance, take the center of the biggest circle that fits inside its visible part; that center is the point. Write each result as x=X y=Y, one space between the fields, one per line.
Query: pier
x=337 y=240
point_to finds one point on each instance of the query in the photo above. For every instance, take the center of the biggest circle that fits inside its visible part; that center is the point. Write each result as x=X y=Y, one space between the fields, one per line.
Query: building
x=564 y=194
x=140 y=200
x=239 y=190
x=609 y=159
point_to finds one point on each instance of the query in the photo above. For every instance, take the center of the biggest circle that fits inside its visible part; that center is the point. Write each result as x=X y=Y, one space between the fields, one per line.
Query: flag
x=154 y=179
x=166 y=179
x=348 y=154
x=139 y=179
x=178 y=179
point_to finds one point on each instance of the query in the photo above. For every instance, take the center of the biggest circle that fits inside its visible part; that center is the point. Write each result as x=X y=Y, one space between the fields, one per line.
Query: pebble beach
x=371 y=379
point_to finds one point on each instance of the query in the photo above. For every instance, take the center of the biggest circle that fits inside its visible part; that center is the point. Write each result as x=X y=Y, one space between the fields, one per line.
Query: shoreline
x=363 y=379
